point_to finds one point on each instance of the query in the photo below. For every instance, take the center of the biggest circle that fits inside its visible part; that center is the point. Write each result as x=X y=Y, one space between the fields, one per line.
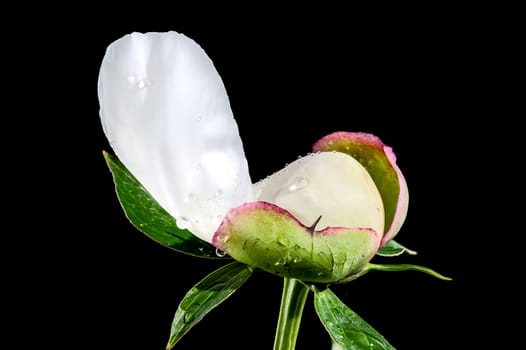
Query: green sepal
x=268 y=237
x=393 y=248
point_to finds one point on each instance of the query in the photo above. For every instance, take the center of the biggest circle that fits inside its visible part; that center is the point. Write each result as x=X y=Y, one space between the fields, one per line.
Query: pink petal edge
x=361 y=137
x=403 y=198
x=275 y=208
x=373 y=140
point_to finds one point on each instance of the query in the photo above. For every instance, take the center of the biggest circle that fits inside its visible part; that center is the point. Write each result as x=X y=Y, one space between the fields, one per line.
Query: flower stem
x=292 y=303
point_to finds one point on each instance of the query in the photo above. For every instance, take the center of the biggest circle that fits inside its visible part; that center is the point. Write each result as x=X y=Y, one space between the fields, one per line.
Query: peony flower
x=322 y=218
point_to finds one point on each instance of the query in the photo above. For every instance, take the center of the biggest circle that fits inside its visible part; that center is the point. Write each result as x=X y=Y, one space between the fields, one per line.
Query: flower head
x=166 y=114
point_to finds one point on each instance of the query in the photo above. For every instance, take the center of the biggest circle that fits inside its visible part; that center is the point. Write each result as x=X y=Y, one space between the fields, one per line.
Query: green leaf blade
x=345 y=327
x=407 y=267
x=205 y=296
x=143 y=211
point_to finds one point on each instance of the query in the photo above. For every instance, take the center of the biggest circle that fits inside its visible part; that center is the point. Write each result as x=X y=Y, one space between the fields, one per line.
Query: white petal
x=166 y=114
x=331 y=184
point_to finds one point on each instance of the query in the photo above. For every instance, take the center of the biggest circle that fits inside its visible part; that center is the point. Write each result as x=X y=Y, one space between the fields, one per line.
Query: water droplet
x=298 y=184
x=137 y=82
x=220 y=253
x=183 y=222
x=190 y=197
x=281 y=262
x=222 y=238
x=296 y=260
x=283 y=241
x=199 y=117
x=218 y=193
x=141 y=84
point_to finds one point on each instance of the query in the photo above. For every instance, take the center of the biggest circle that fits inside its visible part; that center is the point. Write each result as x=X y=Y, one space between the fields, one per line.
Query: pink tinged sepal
x=380 y=162
x=270 y=238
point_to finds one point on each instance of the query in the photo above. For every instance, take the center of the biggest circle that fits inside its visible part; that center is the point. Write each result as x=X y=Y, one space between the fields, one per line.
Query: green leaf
x=345 y=327
x=406 y=267
x=206 y=295
x=149 y=217
x=393 y=248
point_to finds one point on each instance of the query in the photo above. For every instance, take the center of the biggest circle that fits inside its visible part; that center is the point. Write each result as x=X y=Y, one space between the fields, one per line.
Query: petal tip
x=328 y=142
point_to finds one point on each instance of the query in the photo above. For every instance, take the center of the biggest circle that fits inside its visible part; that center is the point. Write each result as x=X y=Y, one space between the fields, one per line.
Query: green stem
x=292 y=303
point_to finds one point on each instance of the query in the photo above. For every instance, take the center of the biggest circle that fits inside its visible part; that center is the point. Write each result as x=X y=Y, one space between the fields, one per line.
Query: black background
x=419 y=82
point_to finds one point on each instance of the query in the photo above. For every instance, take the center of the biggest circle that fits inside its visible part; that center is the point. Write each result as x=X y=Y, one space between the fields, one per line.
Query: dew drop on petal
x=137 y=82
x=223 y=238
x=141 y=84
x=298 y=184
x=190 y=197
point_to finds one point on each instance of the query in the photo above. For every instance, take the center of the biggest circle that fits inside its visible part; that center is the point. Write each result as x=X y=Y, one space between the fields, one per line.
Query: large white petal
x=331 y=184
x=166 y=114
